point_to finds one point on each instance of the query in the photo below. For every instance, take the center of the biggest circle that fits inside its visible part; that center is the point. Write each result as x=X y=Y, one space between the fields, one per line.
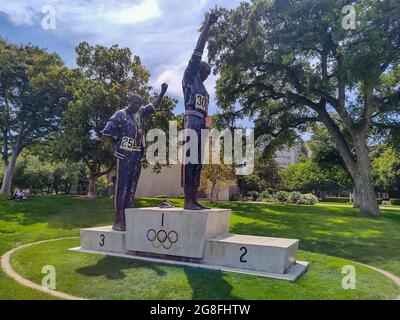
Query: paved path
x=7 y=268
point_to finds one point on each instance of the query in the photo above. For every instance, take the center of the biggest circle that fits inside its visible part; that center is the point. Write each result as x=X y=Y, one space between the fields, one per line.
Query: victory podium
x=195 y=238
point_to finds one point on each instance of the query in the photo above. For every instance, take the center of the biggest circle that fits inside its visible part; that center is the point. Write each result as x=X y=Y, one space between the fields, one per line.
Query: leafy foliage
x=34 y=89
x=289 y=64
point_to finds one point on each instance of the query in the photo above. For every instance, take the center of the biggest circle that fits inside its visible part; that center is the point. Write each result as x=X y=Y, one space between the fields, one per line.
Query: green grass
x=324 y=231
x=98 y=277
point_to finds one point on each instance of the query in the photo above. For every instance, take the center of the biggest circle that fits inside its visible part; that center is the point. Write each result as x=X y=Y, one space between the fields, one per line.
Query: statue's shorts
x=128 y=173
x=191 y=172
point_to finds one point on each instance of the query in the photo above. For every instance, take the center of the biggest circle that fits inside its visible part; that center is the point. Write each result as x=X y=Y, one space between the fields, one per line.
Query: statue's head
x=135 y=102
x=204 y=70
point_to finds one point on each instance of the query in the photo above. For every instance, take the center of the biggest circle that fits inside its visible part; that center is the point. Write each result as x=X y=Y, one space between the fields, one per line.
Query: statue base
x=195 y=238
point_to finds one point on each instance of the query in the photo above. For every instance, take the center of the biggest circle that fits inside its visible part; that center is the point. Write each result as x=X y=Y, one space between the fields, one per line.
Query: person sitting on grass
x=18 y=196
x=13 y=195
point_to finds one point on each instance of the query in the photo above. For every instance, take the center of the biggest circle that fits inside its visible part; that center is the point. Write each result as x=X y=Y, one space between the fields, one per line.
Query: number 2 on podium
x=244 y=253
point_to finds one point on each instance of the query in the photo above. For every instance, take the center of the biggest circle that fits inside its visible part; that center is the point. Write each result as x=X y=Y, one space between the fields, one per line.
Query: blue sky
x=162 y=32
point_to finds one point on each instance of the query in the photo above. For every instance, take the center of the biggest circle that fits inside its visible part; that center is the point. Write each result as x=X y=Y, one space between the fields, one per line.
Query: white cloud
x=173 y=76
x=19 y=14
x=162 y=32
x=127 y=15
x=74 y=13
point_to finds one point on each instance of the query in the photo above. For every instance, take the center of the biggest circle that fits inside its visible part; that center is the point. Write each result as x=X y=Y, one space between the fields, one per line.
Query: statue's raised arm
x=195 y=61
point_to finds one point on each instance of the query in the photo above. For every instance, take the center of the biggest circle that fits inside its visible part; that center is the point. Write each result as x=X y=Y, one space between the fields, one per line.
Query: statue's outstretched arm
x=201 y=43
x=194 y=62
x=157 y=102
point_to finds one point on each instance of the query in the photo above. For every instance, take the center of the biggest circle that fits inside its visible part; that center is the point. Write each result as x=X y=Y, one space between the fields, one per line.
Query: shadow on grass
x=113 y=268
x=209 y=285
x=63 y=212
x=204 y=284
x=335 y=231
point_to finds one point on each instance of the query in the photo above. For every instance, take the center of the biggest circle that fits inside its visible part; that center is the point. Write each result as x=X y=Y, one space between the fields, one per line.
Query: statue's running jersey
x=128 y=130
x=194 y=91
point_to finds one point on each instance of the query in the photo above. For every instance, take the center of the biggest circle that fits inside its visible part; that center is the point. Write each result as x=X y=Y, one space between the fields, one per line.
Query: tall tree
x=291 y=63
x=34 y=89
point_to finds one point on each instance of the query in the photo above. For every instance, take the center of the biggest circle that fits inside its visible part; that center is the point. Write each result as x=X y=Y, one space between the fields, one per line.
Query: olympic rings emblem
x=162 y=238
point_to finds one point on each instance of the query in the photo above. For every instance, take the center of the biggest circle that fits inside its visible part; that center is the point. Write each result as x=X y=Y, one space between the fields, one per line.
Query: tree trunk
x=366 y=196
x=356 y=202
x=212 y=191
x=92 y=187
x=8 y=174
x=359 y=168
x=365 y=191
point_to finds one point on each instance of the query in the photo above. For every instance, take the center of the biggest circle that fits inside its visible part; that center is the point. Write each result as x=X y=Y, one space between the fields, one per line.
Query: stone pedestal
x=196 y=239
x=254 y=253
x=103 y=239
x=174 y=232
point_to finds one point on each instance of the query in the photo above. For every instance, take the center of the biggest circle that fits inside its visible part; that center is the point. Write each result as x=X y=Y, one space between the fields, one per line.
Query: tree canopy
x=35 y=87
x=289 y=64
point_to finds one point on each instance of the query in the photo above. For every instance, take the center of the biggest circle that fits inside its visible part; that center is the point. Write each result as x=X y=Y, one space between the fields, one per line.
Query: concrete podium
x=195 y=238
x=174 y=232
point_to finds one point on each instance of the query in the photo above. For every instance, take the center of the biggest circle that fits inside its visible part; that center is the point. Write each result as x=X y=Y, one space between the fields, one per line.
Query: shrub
x=295 y=197
x=395 y=202
x=253 y=195
x=336 y=199
x=380 y=202
x=236 y=197
x=282 y=196
x=265 y=195
x=309 y=199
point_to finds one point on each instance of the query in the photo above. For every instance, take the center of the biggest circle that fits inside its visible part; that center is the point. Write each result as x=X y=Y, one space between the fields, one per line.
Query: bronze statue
x=126 y=129
x=196 y=107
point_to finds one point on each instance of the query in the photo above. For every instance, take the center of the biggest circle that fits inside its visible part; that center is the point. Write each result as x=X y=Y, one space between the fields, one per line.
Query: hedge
x=345 y=200
x=336 y=199
x=395 y=202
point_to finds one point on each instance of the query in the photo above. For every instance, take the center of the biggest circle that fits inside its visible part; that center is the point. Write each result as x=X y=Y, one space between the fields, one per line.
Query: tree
x=326 y=160
x=292 y=63
x=309 y=176
x=386 y=170
x=34 y=89
x=36 y=173
x=64 y=176
x=219 y=175
x=104 y=77
x=31 y=173
x=266 y=175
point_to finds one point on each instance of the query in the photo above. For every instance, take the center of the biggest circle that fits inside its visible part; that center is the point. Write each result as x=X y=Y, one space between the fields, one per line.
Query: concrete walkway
x=7 y=268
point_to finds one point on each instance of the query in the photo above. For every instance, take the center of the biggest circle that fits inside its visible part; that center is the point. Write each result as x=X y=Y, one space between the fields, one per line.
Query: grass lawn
x=325 y=232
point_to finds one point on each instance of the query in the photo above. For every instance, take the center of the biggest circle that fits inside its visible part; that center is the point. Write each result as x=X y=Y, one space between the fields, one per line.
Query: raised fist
x=212 y=18
x=164 y=87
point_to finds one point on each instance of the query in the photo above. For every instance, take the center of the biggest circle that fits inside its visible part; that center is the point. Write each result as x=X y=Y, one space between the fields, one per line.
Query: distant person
x=13 y=195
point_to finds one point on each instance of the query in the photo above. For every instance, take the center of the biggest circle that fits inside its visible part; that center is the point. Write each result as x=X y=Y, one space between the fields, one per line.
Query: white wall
x=167 y=182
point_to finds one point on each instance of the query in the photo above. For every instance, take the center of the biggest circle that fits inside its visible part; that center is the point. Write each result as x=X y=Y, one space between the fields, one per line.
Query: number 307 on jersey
x=202 y=102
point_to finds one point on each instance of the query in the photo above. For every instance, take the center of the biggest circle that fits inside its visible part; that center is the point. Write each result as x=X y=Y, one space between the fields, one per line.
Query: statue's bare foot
x=119 y=224
x=119 y=227
x=201 y=206
x=190 y=205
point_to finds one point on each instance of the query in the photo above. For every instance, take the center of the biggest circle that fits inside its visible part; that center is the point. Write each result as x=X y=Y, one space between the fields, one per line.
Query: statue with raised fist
x=126 y=129
x=196 y=111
